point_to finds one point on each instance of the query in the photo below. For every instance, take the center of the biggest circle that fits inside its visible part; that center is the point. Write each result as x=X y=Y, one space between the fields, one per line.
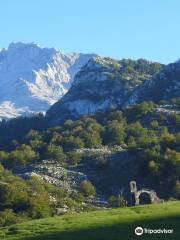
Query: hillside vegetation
x=113 y=224
x=139 y=143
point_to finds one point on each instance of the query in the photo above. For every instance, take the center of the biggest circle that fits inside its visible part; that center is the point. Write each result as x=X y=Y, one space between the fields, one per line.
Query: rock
x=61 y=211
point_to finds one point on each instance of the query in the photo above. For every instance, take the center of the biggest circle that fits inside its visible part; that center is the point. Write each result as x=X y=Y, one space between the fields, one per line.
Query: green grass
x=116 y=224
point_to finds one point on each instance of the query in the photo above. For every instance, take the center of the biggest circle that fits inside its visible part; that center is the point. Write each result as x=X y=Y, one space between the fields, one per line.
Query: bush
x=143 y=108
x=56 y=153
x=131 y=142
x=87 y=188
x=13 y=195
x=154 y=124
x=74 y=158
x=8 y=217
x=92 y=139
x=22 y=155
x=153 y=167
x=71 y=143
x=39 y=206
x=114 y=133
x=78 y=197
x=117 y=201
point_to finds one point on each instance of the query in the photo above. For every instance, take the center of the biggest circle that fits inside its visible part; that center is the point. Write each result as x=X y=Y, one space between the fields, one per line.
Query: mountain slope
x=163 y=86
x=33 y=78
x=102 y=83
x=105 y=225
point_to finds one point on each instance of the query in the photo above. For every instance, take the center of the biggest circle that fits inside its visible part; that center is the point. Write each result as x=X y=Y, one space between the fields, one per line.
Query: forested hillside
x=97 y=155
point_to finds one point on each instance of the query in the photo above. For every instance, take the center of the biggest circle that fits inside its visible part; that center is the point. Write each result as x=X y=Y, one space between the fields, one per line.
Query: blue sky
x=117 y=28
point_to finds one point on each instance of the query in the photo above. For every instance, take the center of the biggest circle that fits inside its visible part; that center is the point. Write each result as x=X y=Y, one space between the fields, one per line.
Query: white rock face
x=101 y=84
x=33 y=78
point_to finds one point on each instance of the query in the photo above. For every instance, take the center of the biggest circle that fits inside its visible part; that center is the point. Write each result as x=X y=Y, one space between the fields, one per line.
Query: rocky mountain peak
x=100 y=84
x=33 y=78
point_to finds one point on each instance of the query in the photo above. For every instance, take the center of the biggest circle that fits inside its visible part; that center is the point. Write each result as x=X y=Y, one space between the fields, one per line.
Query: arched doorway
x=144 y=198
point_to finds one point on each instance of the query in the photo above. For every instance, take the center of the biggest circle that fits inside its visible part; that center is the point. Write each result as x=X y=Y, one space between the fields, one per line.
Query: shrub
x=87 y=188
x=22 y=155
x=78 y=197
x=39 y=206
x=153 y=167
x=114 y=133
x=117 y=201
x=71 y=143
x=92 y=139
x=74 y=158
x=55 y=152
x=131 y=142
x=154 y=124
x=8 y=217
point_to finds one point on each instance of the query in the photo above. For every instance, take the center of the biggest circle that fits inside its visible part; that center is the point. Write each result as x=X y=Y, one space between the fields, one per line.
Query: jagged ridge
x=102 y=83
x=33 y=78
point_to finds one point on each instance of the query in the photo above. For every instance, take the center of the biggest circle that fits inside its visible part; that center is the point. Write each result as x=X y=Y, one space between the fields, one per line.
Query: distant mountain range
x=33 y=78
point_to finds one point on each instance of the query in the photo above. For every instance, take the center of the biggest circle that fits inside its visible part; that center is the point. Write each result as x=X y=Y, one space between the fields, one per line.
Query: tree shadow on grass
x=122 y=231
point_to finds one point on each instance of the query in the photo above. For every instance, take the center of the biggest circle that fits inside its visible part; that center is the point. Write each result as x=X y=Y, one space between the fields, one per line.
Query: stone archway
x=142 y=196
x=145 y=198
x=150 y=196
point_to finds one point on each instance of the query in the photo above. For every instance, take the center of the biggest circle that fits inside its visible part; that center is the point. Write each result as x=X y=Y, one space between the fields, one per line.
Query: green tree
x=131 y=142
x=154 y=124
x=153 y=167
x=56 y=153
x=117 y=201
x=74 y=157
x=71 y=143
x=114 y=133
x=39 y=206
x=8 y=217
x=22 y=155
x=92 y=139
x=87 y=188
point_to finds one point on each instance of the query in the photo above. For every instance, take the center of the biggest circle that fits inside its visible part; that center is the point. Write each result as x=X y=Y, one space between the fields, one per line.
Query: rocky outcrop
x=102 y=83
x=162 y=86
x=118 y=163
x=53 y=173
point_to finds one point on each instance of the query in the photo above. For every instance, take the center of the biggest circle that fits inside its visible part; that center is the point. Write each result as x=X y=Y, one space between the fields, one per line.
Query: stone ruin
x=143 y=196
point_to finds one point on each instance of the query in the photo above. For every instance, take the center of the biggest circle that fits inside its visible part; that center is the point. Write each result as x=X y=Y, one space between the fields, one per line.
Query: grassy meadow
x=115 y=224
